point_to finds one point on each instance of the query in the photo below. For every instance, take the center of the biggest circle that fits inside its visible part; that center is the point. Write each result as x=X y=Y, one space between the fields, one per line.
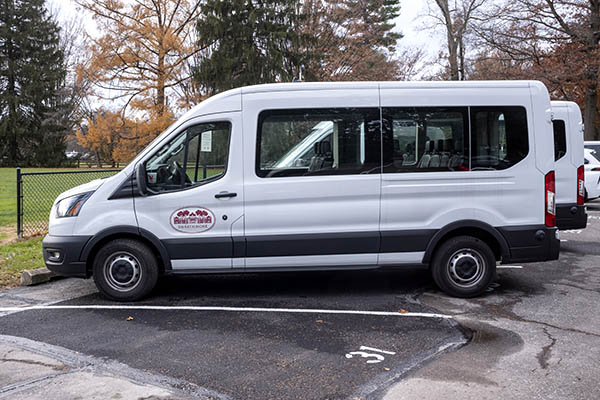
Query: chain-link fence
x=36 y=191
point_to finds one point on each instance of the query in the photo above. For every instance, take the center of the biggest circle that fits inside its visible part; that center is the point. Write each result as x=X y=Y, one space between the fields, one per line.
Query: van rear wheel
x=463 y=266
x=125 y=270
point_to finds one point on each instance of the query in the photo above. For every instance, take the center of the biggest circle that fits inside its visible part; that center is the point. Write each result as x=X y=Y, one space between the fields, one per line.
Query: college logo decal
x=192 y=219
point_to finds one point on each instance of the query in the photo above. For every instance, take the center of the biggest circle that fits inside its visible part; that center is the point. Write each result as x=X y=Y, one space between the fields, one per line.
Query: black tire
x=125 y=270
x=463 y=266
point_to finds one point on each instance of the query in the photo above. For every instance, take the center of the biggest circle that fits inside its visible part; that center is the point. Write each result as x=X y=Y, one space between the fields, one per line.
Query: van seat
x=436 y=157
x=426 y=159
x=446 y=153
x=323 y=158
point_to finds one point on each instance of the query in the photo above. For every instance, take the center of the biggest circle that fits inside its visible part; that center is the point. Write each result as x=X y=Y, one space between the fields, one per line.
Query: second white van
x=449 y=176
x=568 y=156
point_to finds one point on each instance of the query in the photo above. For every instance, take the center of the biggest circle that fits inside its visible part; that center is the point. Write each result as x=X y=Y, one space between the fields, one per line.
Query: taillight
x=596 y=169
x=550 y=210
x=580 y=186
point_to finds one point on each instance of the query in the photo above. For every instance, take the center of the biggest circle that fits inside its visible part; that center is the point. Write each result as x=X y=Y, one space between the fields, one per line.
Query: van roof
x=296 y=86
x=562 y=103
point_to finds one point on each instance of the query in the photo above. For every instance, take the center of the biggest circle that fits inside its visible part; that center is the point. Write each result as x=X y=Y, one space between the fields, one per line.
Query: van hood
x=86 y=187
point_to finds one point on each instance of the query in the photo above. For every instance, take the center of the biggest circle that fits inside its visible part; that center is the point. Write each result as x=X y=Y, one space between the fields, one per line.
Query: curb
x=36 y=276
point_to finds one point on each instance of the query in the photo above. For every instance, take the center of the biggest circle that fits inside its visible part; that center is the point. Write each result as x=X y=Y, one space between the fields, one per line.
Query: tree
x=144 y=50
x=456 y=16
x=144 y=57
x=558 y=38
x=34 y=110
x=101 y=135
x=353 y=39
x=247 y=42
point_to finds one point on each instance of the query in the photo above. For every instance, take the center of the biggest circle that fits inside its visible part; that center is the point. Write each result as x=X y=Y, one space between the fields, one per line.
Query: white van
x=593 y=145
x=450 y=176
x=568 y=157
x=592 y=175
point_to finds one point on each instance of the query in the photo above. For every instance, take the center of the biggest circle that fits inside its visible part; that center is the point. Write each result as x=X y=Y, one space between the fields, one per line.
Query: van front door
x=195 y=200
x=312 y=178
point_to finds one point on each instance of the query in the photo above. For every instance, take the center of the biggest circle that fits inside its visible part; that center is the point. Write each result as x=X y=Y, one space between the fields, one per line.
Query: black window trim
x=469 y=127
x=174 y=136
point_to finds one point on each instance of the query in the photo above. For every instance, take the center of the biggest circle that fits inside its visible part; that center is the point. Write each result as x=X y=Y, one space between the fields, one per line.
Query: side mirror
x=140 y=177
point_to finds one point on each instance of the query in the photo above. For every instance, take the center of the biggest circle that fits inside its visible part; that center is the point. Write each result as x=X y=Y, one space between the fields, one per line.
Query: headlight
x=71 y=206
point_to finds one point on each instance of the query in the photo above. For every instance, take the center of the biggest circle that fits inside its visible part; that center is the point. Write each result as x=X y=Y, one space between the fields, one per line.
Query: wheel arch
x=478 y=229
x=93 y=245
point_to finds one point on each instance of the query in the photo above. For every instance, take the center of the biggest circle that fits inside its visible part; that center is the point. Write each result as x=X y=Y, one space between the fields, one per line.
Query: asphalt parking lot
x=374 y=334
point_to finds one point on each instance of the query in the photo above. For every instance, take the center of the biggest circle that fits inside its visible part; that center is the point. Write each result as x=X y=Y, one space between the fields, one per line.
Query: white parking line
x=509 y=266
x=228 y=309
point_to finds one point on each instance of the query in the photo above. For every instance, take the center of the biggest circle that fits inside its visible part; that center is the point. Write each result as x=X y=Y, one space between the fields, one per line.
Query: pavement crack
x=55 y=367
x=494 y=309
x=10 y=296
x=546 y=353
x=597 y=291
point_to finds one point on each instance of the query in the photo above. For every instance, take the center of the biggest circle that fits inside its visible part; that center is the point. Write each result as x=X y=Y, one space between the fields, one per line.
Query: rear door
x=565 y=171
x=197 y=200
x=312 y=182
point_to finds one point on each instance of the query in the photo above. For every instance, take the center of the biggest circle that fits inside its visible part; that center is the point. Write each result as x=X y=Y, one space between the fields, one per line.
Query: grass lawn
x=17 y=256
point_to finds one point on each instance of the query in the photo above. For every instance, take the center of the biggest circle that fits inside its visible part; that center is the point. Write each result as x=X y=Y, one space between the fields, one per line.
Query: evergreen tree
x=248 y=42
x=34 y=109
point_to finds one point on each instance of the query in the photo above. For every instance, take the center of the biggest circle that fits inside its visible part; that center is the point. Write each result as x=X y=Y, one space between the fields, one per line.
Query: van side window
x=560 y=139
x=499 y=137
x=318 y=142
x=425 y=139
x=195 y=156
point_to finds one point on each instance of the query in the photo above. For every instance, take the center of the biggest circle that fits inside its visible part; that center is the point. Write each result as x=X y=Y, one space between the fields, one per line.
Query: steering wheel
x=177 y=172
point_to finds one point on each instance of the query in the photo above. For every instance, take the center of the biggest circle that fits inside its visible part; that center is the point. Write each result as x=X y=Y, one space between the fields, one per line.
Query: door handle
x=224 y=195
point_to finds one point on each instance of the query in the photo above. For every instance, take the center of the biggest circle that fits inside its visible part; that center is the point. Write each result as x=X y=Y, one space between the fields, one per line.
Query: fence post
x=19 y=221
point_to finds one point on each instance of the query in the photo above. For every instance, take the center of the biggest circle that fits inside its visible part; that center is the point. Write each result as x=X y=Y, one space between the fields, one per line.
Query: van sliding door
x=312 y=178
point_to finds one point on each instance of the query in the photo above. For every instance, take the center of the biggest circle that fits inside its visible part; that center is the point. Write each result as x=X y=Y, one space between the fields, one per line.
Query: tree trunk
x=13 y=147
x=590 y=117
x=453 y=58
x=160 y=85
x=590 y=113
x=451 y=38
x=461 y=65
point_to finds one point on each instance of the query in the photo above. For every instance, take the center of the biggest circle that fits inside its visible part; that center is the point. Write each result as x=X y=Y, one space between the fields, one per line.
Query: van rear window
x=425 y=139
x=499 y=137
x=560 y=139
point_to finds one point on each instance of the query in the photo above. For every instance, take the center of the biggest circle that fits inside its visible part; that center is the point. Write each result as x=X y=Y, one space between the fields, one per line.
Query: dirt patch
x=8 y=235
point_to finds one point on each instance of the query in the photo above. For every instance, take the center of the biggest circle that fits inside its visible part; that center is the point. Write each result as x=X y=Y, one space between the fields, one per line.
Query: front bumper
x=571 y=216
x=62 y=255
x=531 y=243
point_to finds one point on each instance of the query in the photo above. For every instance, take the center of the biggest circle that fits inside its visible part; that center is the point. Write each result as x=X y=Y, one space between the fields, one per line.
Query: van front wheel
x=463 y=266
x=125 y=270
